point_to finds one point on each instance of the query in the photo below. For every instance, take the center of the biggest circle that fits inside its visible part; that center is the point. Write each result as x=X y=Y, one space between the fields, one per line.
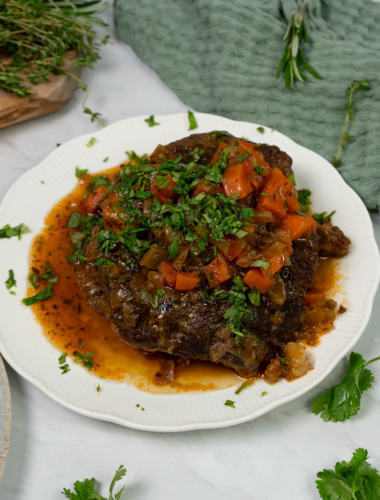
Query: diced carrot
x=170 y=275
x=272 y=201
x=164 y=194
x=248 y=147
x=312 y=295
x=217 y=155
x=257 y=180
x=297 y=225
x=291 y=199
x=91 y=204
x=276 y=262
x=254 y=278
x=278 y=180
x=246 y=257
x=207 y=188
x=235 y=181
x=235 y=248
x=218 y=271
x=186 y=281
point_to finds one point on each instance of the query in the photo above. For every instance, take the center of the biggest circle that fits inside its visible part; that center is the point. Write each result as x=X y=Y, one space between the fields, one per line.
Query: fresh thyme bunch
x=35 y=36
x=293 y=58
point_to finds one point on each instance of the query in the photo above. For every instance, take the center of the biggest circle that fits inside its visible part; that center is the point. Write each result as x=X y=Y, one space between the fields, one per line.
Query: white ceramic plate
x=5 y=417
x=24 y=346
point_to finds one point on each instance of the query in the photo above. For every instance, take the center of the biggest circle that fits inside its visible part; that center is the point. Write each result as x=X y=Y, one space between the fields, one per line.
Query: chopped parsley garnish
x=355 y=480
x=98 y=389
x=192 y=121
x=264 y=393
x=85 y=490
x=243 y=386
x=150 y=121
x=85 y=359
x=107 y=262
x=322 y=218
x=45 y=293
x=91 y=142
x=144 y=293
x=74 y=221
x=261 y=263
x=261 y=130
x=259 y=170
x=254 y=297
x=105 y=159
x=221 y=132
x=11 y=282
x=65 y=368
x=292 y=179
x=273 y=128
x=9 y=232
x=343 y=400
x=284 y=361
x=242 y=157
x=173 y=249
x=230 y=403
x=304 y=199
x=79 y=172
x=63 y=365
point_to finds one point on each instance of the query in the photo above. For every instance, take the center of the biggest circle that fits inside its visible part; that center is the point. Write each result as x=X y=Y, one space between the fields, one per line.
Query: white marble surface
x=275 y=456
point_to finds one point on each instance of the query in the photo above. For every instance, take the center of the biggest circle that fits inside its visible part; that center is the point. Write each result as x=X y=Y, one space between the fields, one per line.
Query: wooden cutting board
x=47 y=97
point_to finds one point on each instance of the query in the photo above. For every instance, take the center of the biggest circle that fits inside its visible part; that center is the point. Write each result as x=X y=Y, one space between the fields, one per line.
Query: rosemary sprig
x=362 y=85
x=293 y=57
x=36 y=34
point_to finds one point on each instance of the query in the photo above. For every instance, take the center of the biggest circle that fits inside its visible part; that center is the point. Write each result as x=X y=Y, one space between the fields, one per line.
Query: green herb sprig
x=85 y=490
x=343 y=400
x=350 y=116
x=35 y=36
x=293 y=58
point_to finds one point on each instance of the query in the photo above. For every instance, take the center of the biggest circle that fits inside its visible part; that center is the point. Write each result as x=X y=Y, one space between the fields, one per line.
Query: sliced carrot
x=186 y=281
x=170 y=275
x=291 y=199
x=297 y=225
x=218 y=271
x=312 y=295
x=254 y=278
x=236 y=181
x=235 y=248
x=207 y=188
x=218 y=153
x=164 y=194
x=92 y=203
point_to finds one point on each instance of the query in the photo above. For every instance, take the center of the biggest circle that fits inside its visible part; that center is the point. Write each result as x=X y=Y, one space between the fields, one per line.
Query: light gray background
x=274 y=456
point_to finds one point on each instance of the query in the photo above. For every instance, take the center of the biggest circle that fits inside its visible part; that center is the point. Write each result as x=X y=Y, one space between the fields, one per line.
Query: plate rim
x=4 y=388
x=199 y=425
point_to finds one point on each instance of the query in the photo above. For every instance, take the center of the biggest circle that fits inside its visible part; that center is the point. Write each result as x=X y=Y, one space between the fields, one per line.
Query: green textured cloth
x=221 y=57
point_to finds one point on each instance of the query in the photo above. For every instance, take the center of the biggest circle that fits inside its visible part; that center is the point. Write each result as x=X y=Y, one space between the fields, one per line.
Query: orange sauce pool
x=72 y=326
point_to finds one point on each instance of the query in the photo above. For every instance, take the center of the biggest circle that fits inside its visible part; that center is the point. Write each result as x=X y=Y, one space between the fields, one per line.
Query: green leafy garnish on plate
x=91 y=142
x=150 y=121
x=85 y=490
x=304 y=199
x=343 y=400
x=11 y=282
x=321 y=218
x=243 y=386
x=9 y=232
x=192 y=121
x=230 y=404
x=79 y=172
x=45 y=293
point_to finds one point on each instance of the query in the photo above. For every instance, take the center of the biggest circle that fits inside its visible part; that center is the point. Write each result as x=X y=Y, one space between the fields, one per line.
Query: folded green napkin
x=221 y=57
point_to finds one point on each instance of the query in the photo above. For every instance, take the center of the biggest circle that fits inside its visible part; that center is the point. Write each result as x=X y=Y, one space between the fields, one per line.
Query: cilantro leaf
x=150 y=121
x=8 y=231
x=45 y=293
x=321 y=218
x=107 y=262
x=91 y=142
x=292 y=179
x=350 y=481
x=74 y=221
x=84 y=359
x=230 y=404
x=79 y=172
x=261 y=263
x=254 y=297
x=243 y=386
x=173 y=249
x=242 y=157
x=85 y=490
x=261 y=130
x=304 y=199
x=11 y=280
x=192 y=121
x=343 y=400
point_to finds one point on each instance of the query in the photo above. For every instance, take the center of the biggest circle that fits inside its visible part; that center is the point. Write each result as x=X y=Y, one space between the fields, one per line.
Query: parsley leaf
x=230 y=404
x=192 y=121
x=343 y=400
x=74 y=221
x=150 y=121
x=45 y=293
x=304 y=199
x=8 y=231
x=173 y=249
x=261 y=263
x=243 y=386
x=107 y=262
x=79 y=172
x=350 y=481
x=91 y=142
x=254 y=297
x=242 y=157
x=292 y=179
x=264 y=393
x=85 y=490
x=84 y=359
x=321 y=218
x=222 y=132
x=261 y=130
x=11 y=280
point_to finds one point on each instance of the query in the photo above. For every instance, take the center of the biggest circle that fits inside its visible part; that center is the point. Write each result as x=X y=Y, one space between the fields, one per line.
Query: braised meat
x=236 y=297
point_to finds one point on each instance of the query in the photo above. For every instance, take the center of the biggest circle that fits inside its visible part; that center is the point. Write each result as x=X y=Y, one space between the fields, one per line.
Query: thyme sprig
x=293 y=58
x=36 y=35
x=350 y=116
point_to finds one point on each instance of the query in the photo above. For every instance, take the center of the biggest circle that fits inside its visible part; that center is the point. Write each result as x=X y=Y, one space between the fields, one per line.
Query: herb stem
x=345 y=126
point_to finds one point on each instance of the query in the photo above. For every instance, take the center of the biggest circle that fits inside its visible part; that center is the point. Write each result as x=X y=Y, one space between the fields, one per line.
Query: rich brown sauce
x=72 y=326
